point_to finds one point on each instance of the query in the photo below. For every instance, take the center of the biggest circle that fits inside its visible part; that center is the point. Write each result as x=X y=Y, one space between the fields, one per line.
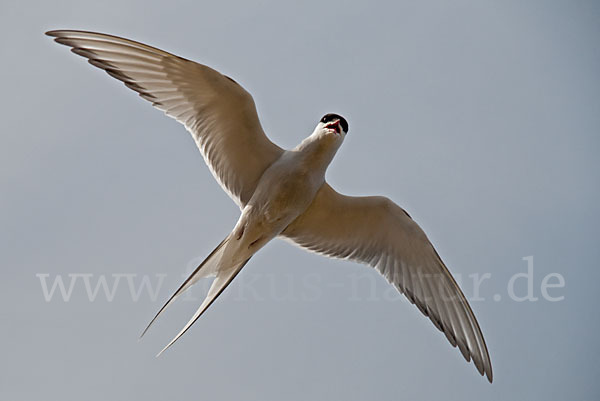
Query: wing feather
x=376 y=231
x=218 y=112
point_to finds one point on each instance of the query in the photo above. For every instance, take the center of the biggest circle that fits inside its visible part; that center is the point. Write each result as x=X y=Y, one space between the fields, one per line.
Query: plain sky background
x=480 y=118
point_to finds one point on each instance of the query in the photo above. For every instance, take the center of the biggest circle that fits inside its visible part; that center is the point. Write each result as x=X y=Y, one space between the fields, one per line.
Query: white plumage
x=283 y=192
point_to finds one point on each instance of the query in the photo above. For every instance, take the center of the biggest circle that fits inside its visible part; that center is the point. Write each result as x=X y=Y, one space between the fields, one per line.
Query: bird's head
x=332 y=125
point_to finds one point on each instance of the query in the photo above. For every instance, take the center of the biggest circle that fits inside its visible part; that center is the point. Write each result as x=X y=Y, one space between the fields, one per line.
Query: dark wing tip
x=60 y=32
x=55 y=33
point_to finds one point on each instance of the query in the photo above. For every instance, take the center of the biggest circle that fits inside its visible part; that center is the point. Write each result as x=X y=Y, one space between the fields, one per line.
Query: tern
x=283 y=193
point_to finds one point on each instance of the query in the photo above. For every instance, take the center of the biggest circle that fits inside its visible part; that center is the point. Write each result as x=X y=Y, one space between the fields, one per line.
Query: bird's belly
x=281 y=196
x=276 y=202
x=287 y=198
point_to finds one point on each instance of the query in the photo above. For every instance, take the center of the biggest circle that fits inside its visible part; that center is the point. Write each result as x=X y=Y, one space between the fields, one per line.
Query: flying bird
x=283 y=193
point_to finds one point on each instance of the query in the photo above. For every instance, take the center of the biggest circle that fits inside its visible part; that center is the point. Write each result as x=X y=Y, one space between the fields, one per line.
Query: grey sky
x=480 y=118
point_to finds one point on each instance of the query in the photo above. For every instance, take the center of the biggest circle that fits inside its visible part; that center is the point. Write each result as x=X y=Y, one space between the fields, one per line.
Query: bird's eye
x=328 y=117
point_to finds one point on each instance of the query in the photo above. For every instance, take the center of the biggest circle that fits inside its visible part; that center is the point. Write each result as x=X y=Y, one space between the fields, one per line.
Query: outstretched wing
x=376 y=231
x=218 y=112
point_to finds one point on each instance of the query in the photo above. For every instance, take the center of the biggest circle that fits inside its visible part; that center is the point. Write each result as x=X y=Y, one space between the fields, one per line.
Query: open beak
x=334 y=125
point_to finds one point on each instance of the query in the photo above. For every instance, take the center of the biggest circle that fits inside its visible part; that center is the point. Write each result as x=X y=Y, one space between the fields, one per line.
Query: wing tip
x=57 y=33
x=488 y=373
x=62 y=32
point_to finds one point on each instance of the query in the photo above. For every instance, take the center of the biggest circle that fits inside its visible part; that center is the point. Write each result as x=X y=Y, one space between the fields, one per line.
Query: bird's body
x=283 y=193
x=289 y=185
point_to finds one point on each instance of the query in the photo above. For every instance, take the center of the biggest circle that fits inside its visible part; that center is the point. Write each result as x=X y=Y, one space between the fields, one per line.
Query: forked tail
x=212 y=265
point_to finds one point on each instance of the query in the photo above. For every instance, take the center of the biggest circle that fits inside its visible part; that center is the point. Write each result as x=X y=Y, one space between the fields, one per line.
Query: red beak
x=335 y=125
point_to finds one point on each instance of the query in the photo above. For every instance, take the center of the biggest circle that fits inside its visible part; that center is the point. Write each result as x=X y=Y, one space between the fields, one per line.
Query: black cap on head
x=332 y=116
